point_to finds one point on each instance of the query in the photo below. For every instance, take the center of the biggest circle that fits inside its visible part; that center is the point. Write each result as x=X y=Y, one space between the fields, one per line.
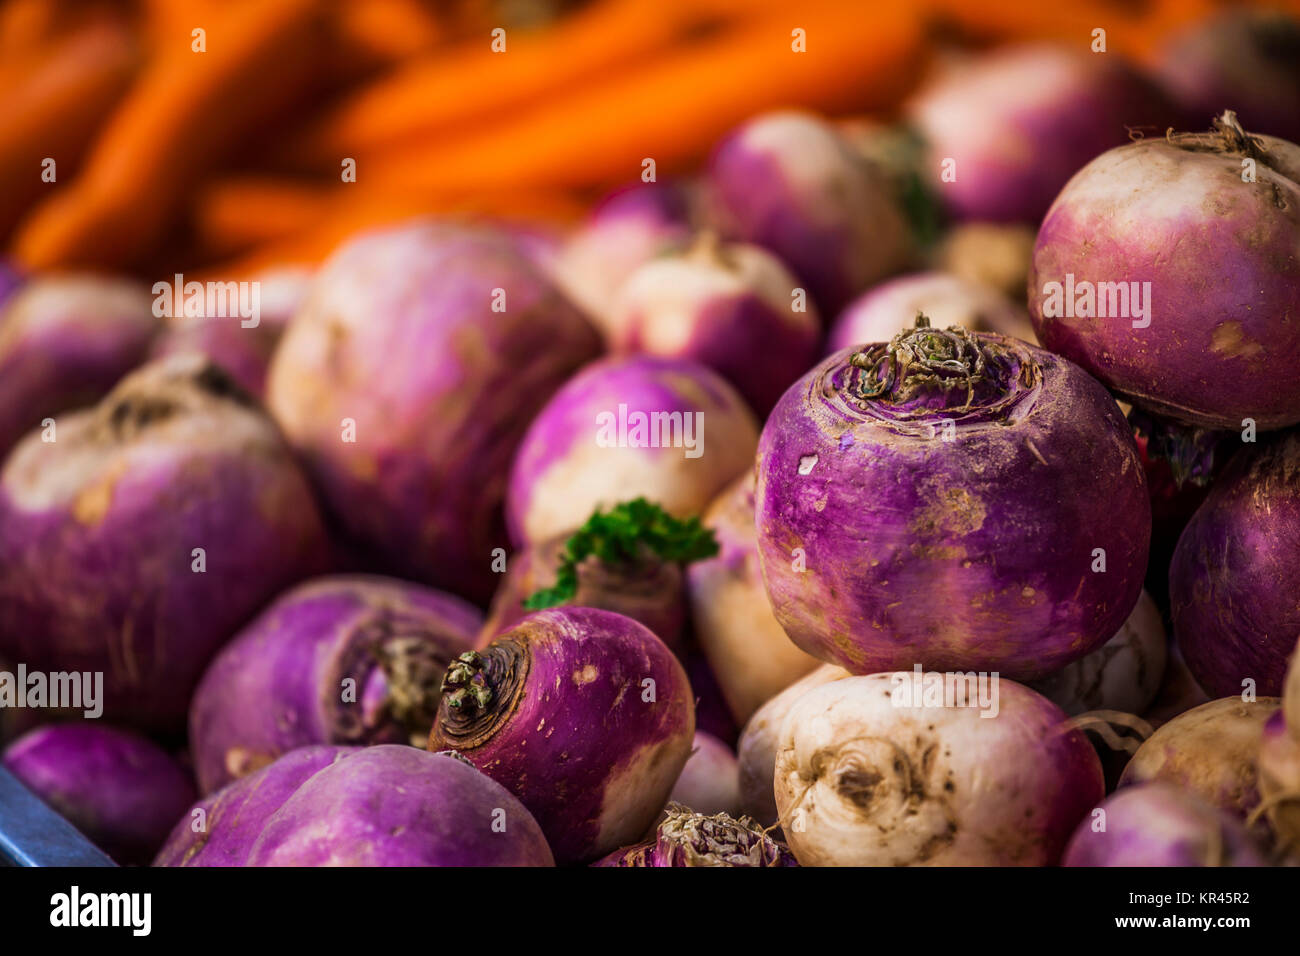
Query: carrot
x=238 y=213
x=56 y=109
x=673 y=109
x=383 y=32
x=186 y=112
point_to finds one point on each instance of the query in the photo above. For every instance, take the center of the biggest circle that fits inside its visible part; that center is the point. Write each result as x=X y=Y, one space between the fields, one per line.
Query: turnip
x=669 y=430
x=139 y=541
x=867 y=775
x=789 y=182
x=336 y=660
x=407 y=380
x=686 y=838
x=756 y=751
x=710 y=781
x=1123 y=675
x=711 y=712
x=1211 y=750
x=1158 y=824
x=961 y=500
x=990 y=253
x=731 y=306
x=1231 y=619
x=1005 y=131
x=1178 y=692
x=1203 y=336
x=748 y=650
x=583 y=714
x=64 y=342
x=1279 y=781
x=121 y=790
x=886 y=309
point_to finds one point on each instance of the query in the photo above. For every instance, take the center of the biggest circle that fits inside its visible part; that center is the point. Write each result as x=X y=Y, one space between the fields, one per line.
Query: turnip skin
x=567 y=728
x=65 y=340
x=1158 y=824
x=399 y=335
x=561 y=473
x=1211 y=750
x=121 y=790
x=686 y=838
x=97 y=563
x=279 y=684
x=748 y=651
x=1279 y=780
x=1231 y=619
x=1219 y=348
x=862 y=782
x=789 y=182
x=710 y=781
x=883 y=545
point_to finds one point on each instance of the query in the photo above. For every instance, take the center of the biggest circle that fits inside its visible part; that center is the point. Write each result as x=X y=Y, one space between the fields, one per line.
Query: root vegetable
x=864 y=780
x=950 y=499
x=1279 y=781
x=669 y=430
x=583 y=714
x=336 y=660
x=406 y=382
x=696 y=839
x=990 y=253
x=139 y=541
x=710 y=781
x=121 y=790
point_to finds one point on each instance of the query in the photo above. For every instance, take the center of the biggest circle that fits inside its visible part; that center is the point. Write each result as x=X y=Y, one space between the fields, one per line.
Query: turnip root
x=1005 y=131
x=64 y=342
x=1158 y=824
x=1124 y=674
x=961 y=500
x=1232 y=621
x=730 y=306
x=407 y=380
x=710 y=781
x=887 y=309
x=865 y=777
x=583 y=714
x=1203 y=346
x=336 y=660
x=990 y=253
x=756 y=751
x=1279 y=781
x=686 y=838
x=1211 y=750
x=121 y=790
x=139 y=541
x=748 y=650
x=789 y=182
x=668 y=430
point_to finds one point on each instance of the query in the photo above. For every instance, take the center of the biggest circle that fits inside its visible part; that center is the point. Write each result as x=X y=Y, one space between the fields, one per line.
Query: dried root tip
x=465 y=685
x=687 y=838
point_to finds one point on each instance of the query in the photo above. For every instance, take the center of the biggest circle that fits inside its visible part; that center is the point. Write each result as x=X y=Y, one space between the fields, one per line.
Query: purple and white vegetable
x=406 y=382
x=139 y=542
x=866 y=775
x=710 y=781
x=961 y=500
x=121 y=790
x=1279 y=780
x=336 y=660
x=687 y=838
x=582 y=714
x=1202 y=337
x=669 y=430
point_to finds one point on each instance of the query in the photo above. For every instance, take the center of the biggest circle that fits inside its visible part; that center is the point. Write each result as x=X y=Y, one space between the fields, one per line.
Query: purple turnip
x=746 y=647
x=730 y=306
x=961 y=500
x=686 y=838
x=791 y=183
x=669 y=430
x=139 y=541
x=407 y=380
x=1158 y=824
x=710 y=781
x=1204 y=336
x=336 y=660
x=64 y=342
x=1005 y=131
x=583 y=714
x=120 y=789
x=867 y=775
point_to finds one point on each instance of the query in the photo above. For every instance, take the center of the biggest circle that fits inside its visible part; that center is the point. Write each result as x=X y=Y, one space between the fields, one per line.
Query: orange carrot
x=235 y=214
x=383 y=32
x=187 y=111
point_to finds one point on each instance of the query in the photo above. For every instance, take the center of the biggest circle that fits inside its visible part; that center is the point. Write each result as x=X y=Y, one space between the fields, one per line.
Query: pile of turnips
x=922 y=493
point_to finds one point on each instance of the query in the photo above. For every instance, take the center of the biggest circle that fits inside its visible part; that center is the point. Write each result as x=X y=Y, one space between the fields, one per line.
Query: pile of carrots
x=166 y=135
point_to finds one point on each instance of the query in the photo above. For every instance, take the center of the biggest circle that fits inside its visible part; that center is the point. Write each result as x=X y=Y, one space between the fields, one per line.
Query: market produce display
x=639 y=433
